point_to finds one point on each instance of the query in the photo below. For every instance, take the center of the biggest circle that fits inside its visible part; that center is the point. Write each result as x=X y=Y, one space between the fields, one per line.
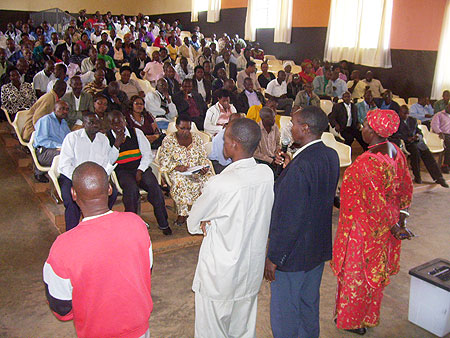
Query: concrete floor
x=26 y=237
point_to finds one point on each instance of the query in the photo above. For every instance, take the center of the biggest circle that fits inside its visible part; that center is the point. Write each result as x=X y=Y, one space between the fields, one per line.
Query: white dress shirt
x=77 y=148
x=211 y=118
x=275 y=89
x=348 y=107
x=40 y=81
x=153 y=101
x=238 y=203
x=201 y=88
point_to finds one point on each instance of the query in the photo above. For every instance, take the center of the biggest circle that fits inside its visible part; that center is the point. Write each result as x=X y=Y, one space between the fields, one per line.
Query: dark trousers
x=294 y=306
x=131 y=196
x=427 y=158
x=447 y=149
x=218 y=168
x=286 y=105
x=199 y=121
x=350 y=134
x=73 y=212
x=45 y=157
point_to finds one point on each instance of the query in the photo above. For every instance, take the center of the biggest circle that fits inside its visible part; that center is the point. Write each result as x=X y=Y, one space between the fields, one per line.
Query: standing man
x=105 y=288
x=300 y=229
x=233 y=213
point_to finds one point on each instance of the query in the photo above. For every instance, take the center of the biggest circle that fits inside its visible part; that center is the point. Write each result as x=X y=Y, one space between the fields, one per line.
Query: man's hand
x=203 y=225
x=269 y=270
x=120 y=138
x=282 y=159
x=139 y=173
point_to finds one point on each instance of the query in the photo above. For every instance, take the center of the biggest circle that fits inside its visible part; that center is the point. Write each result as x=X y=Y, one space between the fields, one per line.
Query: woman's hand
x=401 y=233
x=204 y=171
x=181 y=168
x=152 y=138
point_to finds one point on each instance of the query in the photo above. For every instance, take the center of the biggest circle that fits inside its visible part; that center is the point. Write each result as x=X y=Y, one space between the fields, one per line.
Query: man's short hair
x=250 y=64
x=198 y=67
x=247 y=133
x=62 y=66
x=315 y=118
x=222 y=93
x=266 y=112
x=182 y=118
x=115 y=113
x=99 y=96
x=125 y=68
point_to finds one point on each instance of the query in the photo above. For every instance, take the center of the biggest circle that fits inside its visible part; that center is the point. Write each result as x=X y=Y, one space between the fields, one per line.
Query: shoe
x=147 y=225
x=167 y=231
x=41 y=178
x=361 y=331
x=442 y=182
x=418 y=180
x=445 y=169
x=337 y=202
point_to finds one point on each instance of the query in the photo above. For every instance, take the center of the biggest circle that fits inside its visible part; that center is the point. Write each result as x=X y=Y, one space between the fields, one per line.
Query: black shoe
x=167 y=231
x=337 y=202
x=418 y=180
x=361 y=331
x=41 y=178
x=442 y=182
x=445 y=169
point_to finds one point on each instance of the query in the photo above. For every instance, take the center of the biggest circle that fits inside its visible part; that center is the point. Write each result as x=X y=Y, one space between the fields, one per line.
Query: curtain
x=283 y=26
x=441 y=79
x=250 y=21
x=194 y=10
x=359 y=31
x=213 y=11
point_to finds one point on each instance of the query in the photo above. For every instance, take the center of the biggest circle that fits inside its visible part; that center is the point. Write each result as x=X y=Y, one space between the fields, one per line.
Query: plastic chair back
x=32 y=149
x=19 y=124
x=327 y=106
x=53 y=173
x=172 y=128
x=344 y=151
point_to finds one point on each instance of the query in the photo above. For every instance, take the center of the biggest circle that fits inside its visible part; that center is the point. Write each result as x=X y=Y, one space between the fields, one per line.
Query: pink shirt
x=153 y=71
x=441 y=123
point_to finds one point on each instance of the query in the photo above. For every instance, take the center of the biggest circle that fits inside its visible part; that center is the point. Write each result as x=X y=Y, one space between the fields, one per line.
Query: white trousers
x=225 y=319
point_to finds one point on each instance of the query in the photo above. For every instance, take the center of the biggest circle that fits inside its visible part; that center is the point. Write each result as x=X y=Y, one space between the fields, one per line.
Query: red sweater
x=98 y=274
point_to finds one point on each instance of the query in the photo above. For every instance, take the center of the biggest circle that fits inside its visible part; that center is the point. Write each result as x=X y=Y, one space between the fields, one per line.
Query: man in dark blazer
x=230 y=67
x=242 y=104
x=190 y=103
x=344 y=118
x=86 y=103
x=199 y=77
x=300 y=229
x=66 y=45
x=138 y=63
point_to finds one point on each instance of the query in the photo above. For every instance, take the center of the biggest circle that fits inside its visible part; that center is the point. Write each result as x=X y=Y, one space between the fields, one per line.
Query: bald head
x=90 y=183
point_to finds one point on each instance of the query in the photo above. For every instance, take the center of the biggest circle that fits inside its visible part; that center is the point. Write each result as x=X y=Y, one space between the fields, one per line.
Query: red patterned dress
x=365 y=253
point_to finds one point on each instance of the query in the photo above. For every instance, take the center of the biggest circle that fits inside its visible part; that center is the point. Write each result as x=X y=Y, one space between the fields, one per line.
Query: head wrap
x=383 y=122
x=306 y=62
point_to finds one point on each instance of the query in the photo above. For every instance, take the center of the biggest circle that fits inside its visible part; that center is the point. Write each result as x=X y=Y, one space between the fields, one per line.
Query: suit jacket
x=86 y=103
x=123 y=98
x=233 y=69
x=407 y=129
x=208 y=88
x=339 y=115
x=174 y=86
x=300 y=228
x=183 y=106
x=242 y=105
x=61 y=48
x=134 y=65
x=43 y=106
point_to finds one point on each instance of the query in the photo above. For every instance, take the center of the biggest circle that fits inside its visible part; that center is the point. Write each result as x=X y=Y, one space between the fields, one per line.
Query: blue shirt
x=418 y=111
x=217 y=149
x=48 y=34
x=49 y=132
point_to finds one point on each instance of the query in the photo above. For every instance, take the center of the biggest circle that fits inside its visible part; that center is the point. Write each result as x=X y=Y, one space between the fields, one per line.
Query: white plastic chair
x=327 y=106
x=8 y=117
x=172 y=128
x=33 y=154
x=275 y=62
x=208 y=148
x=412 y=100
x=53 y=173
x=296 y=69
x=270 y=57
x=18 y=125
x=399 y=100
x=344 y=151
x=284 y=121
x=432 y=140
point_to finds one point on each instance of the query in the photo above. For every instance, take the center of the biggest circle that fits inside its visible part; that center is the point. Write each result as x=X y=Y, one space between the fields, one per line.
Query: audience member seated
x=237 y=52
x=43 y=106
x=320 y=83
x=101 y=110
x=307 y=75
x=295 y=86
x=160 y=40
x=78 y=102
x=51 y=130
x=189 y=103
x=117 y=99
x=80 y=146
x=105 y=39
x=253 y=111
x=269 y=146
x=409 y=132
x=66 y=45
x=138 y=64
x=172 y=79
x=422 y=110
x=287 y=69
x=249 y=97
x=133 y=169
x=217 y=157
x=184 y=69
x=220 y=80
x=387 y=103
x=153 y=70
x=11 y=48
x=72 y=68
x=186 y=50
x=207 y=70
x=200 y=85
x=103 y=54
x=41 y=79
x=344 y=119
x=277 y=90
x=218 y=115
x=355 y=86
x=84 y=43
x=257 y=53
x=243 y=59
x=230 y=86
x=16 y=95
x=374 y=85
x=4 y=63
x=230 y=67
x=60 y=73
x=47 y=54
x=116 y=53
x=98 y=85
x=179 y=152
x=364 y=106
x=440 y=124
x=265 y=77
x=306 y=98
x=129 y=86
x=439 y=105
x=159 y=104
x=248 y=72
x=88 y=64
x=206 y=56
x=336 y=86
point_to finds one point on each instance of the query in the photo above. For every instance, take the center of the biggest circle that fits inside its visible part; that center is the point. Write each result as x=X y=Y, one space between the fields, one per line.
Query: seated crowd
x=114 y=84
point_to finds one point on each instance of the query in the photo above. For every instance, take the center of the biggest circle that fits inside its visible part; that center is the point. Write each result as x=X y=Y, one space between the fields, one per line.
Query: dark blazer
x=242 y=105
x=233 y=69
x=406 y=129
x=339 y=116
x=174 y=86
x=393 y=106
x=183 y=106
x=61 y=48
x=208 y=89
x=134 y=65
x=123 y=98
x=86 y=104
x=300 y=227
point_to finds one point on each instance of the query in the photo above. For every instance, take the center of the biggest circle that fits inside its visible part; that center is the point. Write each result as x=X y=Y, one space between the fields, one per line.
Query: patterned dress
x=14 y=99
x=365 y=253
x=184 y=189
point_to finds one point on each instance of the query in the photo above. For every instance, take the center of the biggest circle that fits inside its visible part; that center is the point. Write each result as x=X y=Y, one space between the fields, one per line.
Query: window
x=441 y=79
x=264 y=13
x=202 y=5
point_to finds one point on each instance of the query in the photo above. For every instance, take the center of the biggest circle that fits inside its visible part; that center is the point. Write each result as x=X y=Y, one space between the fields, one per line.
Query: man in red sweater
x=99 y=273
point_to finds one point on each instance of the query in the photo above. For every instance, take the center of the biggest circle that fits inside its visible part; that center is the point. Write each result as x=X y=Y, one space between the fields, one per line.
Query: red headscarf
x=383 y=122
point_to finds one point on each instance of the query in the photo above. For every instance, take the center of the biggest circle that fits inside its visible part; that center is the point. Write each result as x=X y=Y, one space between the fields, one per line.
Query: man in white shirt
x=81 y=146
x=277 y=90
x=356 y=86
x=336 y=87
x=60 y=74
x=218 y=115
x=233 y=213
x=159 y=104
x=54 y=41
x=41 y=79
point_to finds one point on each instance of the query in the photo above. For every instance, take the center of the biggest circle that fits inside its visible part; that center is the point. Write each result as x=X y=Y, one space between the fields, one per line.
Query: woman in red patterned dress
x=375 y=194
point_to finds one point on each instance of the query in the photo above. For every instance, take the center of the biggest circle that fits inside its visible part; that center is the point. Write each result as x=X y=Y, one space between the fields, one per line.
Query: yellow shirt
x=253 y=114
x=173 y=52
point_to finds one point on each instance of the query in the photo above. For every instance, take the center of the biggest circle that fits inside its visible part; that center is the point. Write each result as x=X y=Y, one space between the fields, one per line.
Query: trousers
x=286 y=105
x=131 y=195
x=425 y=154
x=350 y=134
x=45 y=157
x=447 y=149
x=294 y=306
x=72 y=213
